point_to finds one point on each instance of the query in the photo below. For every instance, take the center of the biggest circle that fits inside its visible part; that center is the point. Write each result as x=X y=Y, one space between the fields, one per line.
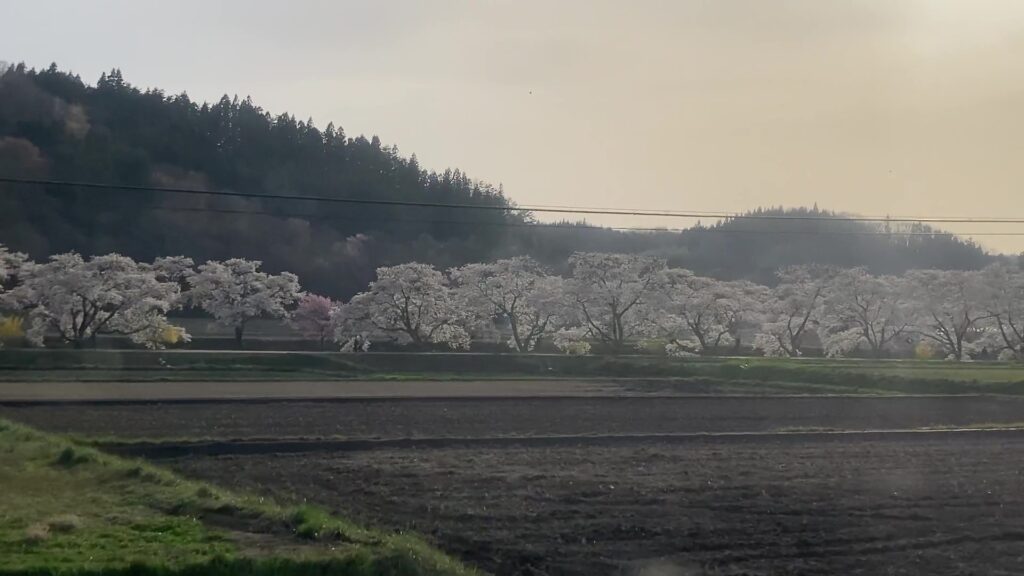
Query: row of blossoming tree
x=618 y=301
x=78 y=299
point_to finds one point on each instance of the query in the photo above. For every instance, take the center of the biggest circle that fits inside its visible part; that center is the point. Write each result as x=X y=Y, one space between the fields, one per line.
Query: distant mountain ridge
x=55 y=126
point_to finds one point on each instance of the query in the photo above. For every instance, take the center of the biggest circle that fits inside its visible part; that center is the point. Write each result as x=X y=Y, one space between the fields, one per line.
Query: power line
x=557 y=225
x=545 y=209
x=866 y=217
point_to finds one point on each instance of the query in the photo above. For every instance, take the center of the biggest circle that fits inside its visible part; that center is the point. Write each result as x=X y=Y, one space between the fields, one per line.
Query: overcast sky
x=911 y=107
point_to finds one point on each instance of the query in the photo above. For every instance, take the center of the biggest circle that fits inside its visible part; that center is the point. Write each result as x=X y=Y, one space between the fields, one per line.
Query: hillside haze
x=55 y=126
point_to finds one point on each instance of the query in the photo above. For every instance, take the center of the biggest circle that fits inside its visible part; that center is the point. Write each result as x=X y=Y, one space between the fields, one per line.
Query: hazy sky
x=911 y=107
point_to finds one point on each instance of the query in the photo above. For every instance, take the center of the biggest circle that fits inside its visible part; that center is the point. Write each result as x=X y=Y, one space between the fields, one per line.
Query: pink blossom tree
x=312 y=318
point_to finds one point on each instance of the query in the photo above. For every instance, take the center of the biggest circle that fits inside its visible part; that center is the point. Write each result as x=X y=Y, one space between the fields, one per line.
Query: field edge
x=195 y=521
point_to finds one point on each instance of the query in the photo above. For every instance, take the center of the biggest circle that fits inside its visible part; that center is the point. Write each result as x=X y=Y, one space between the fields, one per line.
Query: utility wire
x=565 y=210
x=568 y=226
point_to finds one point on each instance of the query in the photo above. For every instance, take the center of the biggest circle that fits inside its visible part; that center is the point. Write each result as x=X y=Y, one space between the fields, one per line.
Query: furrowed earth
x=619 y=485
x=912 y=506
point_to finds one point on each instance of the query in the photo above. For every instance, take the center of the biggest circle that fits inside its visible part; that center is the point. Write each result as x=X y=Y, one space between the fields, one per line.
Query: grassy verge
x=899 y=377
x=68 y=509
x=979 y=426
x=810 y=375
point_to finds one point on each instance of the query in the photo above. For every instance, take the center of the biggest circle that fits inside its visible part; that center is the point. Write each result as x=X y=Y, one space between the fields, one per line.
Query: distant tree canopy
x=55 y=126
x=754 y=249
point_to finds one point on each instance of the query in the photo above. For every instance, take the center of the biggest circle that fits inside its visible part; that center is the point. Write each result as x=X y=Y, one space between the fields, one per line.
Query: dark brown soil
x=513 y=417
x=928 y=506
x=949 y=504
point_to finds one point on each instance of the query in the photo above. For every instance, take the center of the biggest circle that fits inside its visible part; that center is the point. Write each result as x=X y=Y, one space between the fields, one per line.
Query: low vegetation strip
x=797 y=375
x=69 y=509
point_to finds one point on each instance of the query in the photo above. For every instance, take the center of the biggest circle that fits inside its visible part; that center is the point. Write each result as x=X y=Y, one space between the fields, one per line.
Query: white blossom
x=235 y=291
x=357 y=343
x=517 y=290
x=861 y=309
x=610 y=293
x=572 y=341
x=173 y=268
x=948 y=308
x=1005 y=306
x=792 y=310
x=409 y=303
x=79 y=299
x=683 y=348
x=11 y=264
x=698 y=314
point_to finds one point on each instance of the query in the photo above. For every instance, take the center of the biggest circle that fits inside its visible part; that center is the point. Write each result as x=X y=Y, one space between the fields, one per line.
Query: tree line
x=616 y=301
x=55 y=126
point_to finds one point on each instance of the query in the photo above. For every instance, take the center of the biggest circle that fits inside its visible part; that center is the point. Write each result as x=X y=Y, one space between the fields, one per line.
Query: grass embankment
x=67 y=509
x=867 y=376
x=113 y=365
x=740 y=375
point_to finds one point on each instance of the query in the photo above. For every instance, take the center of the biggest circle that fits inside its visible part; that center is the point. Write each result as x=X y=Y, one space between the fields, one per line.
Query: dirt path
x=267 y=390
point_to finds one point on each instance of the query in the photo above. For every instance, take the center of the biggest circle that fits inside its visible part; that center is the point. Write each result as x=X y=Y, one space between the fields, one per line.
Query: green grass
x=980 y=426
x=800 y=375
x=68 y=509
x=891 y=376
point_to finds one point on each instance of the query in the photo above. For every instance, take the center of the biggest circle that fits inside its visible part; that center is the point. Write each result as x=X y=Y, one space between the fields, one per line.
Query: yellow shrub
x=172 y=335
x=12 y=328
x=924 y=351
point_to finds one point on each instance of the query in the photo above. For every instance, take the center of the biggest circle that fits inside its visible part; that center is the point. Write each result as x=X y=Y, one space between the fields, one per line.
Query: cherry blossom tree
x=410 y=303
x=1005 y=307
x=741 y=307
x=312 y=318
x=792 y=309
x=516 y=289
x=948 y=308
x=572 y=341
x=700 y=315
x=11 y=265
x=355 y=344
x=861 y=309
x=80 y=299
x=610 y=293
x=236 y=291
x=175 y=269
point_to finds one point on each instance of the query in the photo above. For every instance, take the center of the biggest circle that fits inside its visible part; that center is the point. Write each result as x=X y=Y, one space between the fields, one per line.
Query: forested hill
x=55 y=126
x=755 y=248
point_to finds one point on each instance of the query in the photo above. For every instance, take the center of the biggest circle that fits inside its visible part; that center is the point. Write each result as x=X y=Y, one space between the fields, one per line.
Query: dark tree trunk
x=238 y=336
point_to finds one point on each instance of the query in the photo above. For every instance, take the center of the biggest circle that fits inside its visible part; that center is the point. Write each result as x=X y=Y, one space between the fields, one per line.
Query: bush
x=70 y=456
x=310 y=522
x=37 y=533
x=64 y=523
x=173 y=335
x=12 y=330
x=924 y=351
